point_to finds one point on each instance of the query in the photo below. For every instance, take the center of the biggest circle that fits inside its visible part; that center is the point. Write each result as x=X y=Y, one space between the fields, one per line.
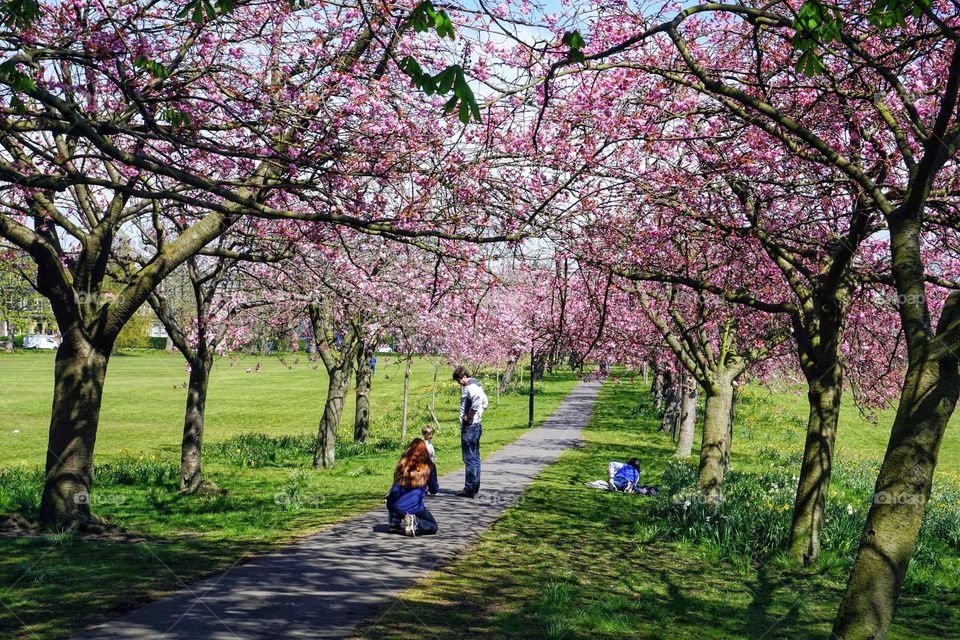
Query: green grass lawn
x=571 y=562
x=51 y=587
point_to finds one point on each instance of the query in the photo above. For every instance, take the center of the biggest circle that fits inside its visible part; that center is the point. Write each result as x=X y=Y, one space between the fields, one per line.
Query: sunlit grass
x=54 y=585
x=572 y=562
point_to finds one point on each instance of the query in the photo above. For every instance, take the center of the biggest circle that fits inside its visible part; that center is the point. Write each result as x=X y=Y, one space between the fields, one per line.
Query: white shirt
x=473 y=396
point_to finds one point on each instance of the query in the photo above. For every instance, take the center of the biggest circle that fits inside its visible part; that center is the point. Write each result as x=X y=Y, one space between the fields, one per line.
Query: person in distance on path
x=473 y=401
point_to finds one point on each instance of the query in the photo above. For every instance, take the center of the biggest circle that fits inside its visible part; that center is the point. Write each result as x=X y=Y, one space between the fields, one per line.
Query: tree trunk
x=673 y=399
x=361 y=420
x=406 y=397
x=729 y=443
x=661 y=383
x=78 y=389
x=929 y=397
x=507 y=375
x=332 y=411
x=824 y=393
x=719 y=397
x=191 y=474
x=537 y=366
x=8 y=331
x=688 y=421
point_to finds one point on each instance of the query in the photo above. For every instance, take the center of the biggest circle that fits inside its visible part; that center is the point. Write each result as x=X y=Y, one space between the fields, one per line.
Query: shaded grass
x=571 y=562
x=50 y=587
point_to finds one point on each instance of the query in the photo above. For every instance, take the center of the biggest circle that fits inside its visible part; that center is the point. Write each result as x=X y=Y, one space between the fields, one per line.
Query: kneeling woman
x=405 y=500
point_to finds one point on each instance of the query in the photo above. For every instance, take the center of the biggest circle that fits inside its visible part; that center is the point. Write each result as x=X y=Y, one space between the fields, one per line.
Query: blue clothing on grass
x=626 y=474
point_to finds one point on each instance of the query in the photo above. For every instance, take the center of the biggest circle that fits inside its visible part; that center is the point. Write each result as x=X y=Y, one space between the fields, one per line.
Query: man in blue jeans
x=472 y=403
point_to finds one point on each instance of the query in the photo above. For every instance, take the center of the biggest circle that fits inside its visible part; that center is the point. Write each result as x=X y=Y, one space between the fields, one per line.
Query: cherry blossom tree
x=122 y=109
x=879 y=113
x=204 y=307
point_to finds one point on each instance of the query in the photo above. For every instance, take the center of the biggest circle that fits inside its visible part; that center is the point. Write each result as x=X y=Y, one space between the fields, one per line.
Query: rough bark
x=929 y=397
x=538 y=366
x=688 y=421
x=814 y=484
x=729 y=443
x=330 y=421
x=661 y=381
x=719 y=397
x=361 y=420
x=191 y=446
x=673 y=397
x=80 y=371
x=507 y=375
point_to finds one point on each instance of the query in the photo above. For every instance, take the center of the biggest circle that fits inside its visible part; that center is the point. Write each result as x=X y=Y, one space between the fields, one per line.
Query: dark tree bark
x=191 y=446
x=729 y=448
x=714 y=448
x=814 y=484
x=928 y=399
x=688 y=420
x=339 y=382
x=507 y=375
x=661 y=383
x=818 y=341
x=80 y=370
x=538 y=366
x=673 y=397
x=361 y=420
x=338 y=358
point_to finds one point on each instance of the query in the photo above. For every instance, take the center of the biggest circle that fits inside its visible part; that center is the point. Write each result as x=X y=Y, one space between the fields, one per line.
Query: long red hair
x=413 y=470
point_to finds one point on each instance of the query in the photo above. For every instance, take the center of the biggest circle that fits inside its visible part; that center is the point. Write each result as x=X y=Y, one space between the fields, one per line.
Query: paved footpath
x=324 y=585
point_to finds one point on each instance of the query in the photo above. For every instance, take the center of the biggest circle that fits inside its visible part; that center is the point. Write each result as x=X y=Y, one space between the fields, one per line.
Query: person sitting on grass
x=405 y=501
x=433 y=487
x=620 y=477
x=623 y=477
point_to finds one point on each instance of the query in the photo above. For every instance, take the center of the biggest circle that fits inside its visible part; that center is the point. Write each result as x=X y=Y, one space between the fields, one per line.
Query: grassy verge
x=258 y=450
x=572 y=562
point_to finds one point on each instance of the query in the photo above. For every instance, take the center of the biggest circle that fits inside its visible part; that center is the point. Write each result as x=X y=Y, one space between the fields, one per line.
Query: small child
x=433 y=487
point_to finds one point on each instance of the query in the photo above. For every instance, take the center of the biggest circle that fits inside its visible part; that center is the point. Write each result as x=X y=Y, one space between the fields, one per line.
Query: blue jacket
x=402 y=501
x=624 y=475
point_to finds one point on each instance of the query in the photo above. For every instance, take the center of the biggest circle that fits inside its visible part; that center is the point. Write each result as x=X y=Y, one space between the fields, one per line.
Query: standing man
x=472 y=403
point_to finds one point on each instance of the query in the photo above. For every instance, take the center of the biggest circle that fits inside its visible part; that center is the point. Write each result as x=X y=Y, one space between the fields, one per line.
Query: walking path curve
x=324 y=585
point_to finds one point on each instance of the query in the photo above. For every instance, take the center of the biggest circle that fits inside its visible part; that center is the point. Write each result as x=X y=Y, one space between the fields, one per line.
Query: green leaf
x=175 y=117
x=573 y=39
x=18 y=105
x=450 y=104
x=19 y=14
x=16 y=79
x=154 y=68
x=447 y=77
x=422 y=17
